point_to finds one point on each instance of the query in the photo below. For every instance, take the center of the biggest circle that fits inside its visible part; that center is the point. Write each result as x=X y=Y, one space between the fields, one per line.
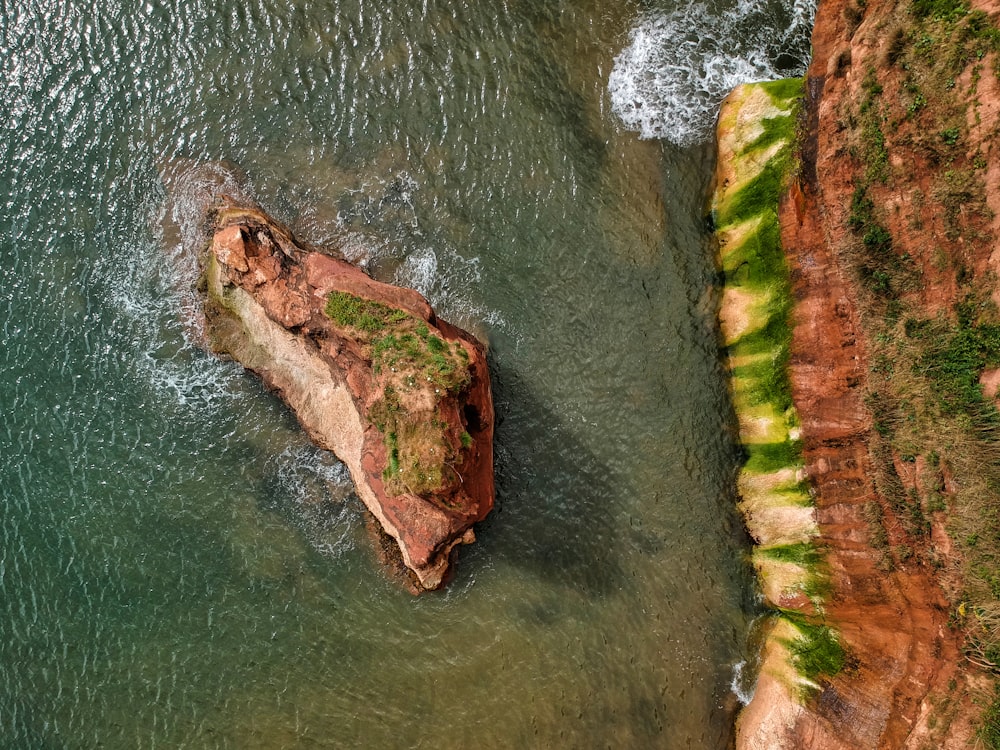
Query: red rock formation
x=266 y=297
x=906 y=685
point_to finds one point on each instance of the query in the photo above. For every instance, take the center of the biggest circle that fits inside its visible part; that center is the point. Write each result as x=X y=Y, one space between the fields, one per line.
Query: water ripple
x=178 y=566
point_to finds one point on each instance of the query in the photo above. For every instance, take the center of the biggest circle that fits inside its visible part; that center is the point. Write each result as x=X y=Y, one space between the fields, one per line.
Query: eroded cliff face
x=890 y=228
x=400 y=396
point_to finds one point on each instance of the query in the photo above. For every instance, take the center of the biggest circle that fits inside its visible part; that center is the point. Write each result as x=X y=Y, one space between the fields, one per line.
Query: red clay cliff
x=907 y=683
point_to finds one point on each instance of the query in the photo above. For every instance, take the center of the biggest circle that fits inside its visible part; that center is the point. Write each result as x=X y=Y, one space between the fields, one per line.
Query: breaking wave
x=678 y=66
x=743 y=683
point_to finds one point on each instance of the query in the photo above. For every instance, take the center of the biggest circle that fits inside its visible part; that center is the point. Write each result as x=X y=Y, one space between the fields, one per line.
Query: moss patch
x=817 y=653
x=764 y=458
x=803 y=553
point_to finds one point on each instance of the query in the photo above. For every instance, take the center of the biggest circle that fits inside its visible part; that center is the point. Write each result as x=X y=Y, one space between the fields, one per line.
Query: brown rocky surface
x=893 y=624
x=403 y=399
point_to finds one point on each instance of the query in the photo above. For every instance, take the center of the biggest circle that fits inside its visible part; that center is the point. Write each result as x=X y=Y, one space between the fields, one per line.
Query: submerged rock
x=400 y=396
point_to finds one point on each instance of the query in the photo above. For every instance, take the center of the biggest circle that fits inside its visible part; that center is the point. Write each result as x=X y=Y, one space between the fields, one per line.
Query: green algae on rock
x=756 y=134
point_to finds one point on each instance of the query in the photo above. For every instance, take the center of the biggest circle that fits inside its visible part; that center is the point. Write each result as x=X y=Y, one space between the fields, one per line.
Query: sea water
x=179 y=567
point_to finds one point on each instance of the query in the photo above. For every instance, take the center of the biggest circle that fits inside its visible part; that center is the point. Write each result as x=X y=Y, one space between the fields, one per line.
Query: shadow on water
x=555 y=498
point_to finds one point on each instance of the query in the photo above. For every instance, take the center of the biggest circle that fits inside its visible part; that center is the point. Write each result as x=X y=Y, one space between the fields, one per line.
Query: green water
x=178 y=566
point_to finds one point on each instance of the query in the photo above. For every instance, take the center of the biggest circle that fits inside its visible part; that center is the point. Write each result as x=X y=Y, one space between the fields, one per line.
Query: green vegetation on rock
x=936 y=439
x=754 y=265
x=954 y=363
x=817 y=653
x=989 y=728
x=363 y=314
x=802 y=553
x=423 y=358
x=756 y=327
x=417 y=368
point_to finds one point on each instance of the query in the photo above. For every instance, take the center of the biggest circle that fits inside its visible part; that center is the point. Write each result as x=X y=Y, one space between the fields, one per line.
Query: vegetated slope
x=891 y=229
x=756 y=133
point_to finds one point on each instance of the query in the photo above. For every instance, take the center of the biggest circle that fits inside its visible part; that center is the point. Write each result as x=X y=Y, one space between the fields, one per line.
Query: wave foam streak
x=678 y=66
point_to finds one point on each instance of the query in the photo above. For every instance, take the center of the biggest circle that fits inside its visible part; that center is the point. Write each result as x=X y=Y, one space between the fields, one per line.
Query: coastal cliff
x=373 y=375
x=887 y=220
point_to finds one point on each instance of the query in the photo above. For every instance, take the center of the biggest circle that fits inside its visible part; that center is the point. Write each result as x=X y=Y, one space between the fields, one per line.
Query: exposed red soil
x=893 y=624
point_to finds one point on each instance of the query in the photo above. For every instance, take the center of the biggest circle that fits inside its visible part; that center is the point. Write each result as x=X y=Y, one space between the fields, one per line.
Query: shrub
x=950 y=136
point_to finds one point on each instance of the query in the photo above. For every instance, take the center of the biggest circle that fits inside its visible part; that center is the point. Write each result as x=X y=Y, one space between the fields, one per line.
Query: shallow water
x=178 y=566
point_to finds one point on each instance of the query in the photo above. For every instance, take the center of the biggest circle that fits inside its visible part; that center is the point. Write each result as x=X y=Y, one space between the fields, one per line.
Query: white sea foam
x=441 y=283
x=152 y=285
x=420 y=271
x=739 y=685
x=678 y=66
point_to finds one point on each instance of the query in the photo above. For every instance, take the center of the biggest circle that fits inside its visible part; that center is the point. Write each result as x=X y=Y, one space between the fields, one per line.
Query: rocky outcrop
x=373 y=375
x=755 y=134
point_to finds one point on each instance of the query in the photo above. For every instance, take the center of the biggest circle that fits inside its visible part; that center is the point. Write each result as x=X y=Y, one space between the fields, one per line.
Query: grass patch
x=879 y=268
x=948 y=36
x=989 y=727
x=365 y=315
x=417 y=368
x=426 y=359
x=392 y=466
x=953 y=364
x=419 y=455
x=875 y=152
x=941 y=10
x=763 y=458
x=408 y=349
x=962 y=195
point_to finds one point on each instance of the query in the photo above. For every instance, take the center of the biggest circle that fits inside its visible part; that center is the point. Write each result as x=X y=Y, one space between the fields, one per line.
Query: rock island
x=372 y=374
